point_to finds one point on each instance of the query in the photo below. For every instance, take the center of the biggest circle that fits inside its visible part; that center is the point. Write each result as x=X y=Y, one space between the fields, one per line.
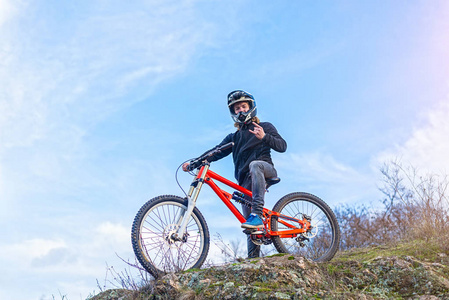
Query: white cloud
x=31 y=249
x=7 y=11
x=427 y=147
x=62 y=78
x=117 y=234
x=322 y=174
x=53 y=81
x=70 y=259
x=317 y=166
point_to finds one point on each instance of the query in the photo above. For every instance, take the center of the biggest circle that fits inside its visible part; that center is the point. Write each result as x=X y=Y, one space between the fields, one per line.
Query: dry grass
x=415 y=206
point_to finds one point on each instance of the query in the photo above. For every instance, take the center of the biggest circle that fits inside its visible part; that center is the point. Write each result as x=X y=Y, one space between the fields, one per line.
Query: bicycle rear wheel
x=322 y=242
x=153 y=226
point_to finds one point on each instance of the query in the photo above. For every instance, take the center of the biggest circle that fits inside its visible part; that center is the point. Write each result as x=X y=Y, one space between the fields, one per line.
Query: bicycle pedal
x=257 y=232
x=252 y=231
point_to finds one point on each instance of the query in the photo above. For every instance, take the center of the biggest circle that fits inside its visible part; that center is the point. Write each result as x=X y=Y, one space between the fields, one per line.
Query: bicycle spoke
x=166 y=254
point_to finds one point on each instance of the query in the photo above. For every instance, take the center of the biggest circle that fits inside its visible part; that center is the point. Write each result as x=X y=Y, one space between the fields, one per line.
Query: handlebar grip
x=193 y=165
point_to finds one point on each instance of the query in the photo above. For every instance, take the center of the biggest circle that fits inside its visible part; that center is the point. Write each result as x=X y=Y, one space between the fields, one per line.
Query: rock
x=115 y=294
x=291 y=277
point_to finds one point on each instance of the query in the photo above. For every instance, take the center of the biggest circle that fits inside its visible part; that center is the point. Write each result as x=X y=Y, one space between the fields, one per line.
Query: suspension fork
x=192 y=196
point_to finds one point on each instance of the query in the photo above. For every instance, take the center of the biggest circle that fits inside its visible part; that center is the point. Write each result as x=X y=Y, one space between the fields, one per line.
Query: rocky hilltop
x=416 y=270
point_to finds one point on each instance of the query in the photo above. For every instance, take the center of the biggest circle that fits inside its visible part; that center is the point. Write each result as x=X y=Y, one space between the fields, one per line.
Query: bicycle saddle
x=272 y=181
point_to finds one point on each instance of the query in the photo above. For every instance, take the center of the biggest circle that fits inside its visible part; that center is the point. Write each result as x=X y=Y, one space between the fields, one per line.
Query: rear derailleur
x=301 y=240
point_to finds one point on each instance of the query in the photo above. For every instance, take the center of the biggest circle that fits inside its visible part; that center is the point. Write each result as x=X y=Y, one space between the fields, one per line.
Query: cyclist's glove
x=194 y=164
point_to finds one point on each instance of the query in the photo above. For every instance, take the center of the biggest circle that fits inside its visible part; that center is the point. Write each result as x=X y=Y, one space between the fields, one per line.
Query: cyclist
x=253 y=142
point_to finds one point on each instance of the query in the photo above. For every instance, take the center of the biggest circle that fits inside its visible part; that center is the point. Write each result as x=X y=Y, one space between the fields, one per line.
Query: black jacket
x=247 y=147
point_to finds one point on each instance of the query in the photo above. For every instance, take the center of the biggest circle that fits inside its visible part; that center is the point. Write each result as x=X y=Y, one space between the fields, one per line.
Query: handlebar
x=197 y=162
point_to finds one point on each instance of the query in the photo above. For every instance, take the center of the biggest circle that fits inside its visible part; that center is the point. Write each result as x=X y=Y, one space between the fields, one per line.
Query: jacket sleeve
x=273 y=139
x=224 y=153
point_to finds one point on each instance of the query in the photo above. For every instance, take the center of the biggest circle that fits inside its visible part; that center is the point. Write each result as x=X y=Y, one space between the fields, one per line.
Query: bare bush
x=232 y=251
x=127 y=278
x=357 y=227
x=415 y=206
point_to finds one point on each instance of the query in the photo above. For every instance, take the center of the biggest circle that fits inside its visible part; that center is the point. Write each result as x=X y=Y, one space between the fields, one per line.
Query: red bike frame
x=295 y=226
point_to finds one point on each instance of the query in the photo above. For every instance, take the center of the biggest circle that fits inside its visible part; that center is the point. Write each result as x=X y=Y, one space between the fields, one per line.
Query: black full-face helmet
x=242 y=96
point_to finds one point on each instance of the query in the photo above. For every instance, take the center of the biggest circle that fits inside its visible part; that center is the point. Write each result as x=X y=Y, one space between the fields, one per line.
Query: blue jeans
x=255 y=182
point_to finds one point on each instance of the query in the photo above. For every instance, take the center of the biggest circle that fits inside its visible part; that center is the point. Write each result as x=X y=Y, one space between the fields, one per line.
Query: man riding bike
x=251 y=153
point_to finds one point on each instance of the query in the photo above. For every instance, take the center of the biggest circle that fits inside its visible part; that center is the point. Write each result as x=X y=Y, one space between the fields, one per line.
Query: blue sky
x=101 y=101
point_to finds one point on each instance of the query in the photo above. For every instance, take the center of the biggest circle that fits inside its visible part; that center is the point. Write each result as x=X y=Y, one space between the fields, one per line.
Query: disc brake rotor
x=169 y=230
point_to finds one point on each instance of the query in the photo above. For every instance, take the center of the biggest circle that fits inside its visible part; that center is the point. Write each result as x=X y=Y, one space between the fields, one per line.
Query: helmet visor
x=241 y=99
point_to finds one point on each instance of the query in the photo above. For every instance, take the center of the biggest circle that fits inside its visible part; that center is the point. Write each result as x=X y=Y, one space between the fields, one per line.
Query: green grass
x=422 y=250
x=278 y=254
x=191 y=270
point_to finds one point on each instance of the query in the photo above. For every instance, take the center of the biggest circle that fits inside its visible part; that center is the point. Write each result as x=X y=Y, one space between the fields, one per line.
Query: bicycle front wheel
x=321 y=242
x=151 y=234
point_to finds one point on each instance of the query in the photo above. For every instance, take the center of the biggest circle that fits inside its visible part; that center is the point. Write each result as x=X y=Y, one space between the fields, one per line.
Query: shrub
x=415 y=206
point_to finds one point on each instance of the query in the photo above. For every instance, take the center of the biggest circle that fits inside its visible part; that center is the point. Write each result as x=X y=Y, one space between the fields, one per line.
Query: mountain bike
x=170 y=234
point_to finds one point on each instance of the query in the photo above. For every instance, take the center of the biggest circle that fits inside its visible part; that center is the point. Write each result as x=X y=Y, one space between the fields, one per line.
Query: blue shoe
x=253 y=221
